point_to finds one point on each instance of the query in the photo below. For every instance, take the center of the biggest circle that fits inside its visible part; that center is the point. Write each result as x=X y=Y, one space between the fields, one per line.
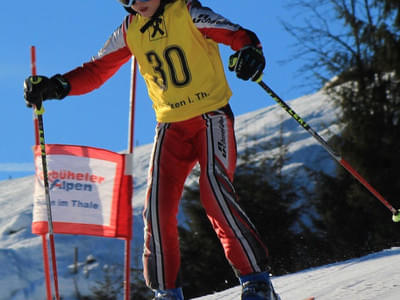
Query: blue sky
x=68 y=33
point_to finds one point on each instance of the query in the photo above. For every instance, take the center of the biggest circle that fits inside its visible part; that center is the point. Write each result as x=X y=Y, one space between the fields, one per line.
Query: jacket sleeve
x=220 y=29
x=92 y=74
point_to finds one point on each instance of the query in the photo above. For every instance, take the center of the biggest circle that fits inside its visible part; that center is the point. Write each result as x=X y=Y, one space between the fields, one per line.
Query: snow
x=21 y=276
x=375 y=276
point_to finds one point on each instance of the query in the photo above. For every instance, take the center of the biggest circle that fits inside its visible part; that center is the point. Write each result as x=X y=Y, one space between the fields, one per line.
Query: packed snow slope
x=372 y=277
x=21 y=272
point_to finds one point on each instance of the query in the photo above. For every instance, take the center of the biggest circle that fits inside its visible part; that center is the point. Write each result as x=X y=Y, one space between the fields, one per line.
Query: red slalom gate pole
x=34 y=73
x=46 y=267
x=130 y=151
x=39 y=139
x=132 y=107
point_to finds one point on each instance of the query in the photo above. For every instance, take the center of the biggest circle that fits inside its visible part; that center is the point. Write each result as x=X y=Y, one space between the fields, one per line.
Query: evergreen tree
x=110 y=287
x=369 y=95
x=268 y=198
x=139 y=290
x=364 y=55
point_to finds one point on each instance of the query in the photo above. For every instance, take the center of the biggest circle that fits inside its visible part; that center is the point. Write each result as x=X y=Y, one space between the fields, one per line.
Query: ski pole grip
x=396 y=217
x=39 y=111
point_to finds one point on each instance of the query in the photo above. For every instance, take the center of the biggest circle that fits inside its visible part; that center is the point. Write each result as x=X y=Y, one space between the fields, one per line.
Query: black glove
x=248 y=63
x=40 y=88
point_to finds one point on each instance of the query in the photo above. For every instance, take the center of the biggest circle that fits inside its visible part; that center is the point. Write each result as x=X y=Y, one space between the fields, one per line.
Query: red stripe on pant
x=209 y=140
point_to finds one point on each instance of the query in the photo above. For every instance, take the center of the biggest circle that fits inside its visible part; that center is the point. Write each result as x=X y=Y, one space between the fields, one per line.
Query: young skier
x=176 y=45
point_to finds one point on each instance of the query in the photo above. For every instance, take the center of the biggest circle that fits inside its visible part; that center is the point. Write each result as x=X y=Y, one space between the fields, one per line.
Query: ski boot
x=170 y=294
x=258 y=286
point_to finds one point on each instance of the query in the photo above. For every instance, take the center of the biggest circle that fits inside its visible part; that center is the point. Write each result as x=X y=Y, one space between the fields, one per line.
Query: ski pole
x=39 y=111
x=335 y=155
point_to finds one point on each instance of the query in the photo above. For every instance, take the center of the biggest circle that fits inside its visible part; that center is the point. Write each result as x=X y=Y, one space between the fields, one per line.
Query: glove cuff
x=62 y=87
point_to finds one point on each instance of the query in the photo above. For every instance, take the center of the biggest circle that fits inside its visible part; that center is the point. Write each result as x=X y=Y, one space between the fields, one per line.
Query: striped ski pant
x=208 y=139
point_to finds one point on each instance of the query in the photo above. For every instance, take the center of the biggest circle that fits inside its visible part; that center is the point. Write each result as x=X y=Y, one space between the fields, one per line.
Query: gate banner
x=90 y=191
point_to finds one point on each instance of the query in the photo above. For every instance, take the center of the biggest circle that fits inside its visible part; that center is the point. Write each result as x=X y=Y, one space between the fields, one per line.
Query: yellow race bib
x=182 y=69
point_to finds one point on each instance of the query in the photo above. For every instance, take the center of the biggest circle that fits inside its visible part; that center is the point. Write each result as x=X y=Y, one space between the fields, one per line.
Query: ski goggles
x=129 y=3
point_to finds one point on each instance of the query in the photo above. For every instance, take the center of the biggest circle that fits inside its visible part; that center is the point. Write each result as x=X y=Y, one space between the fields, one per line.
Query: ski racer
x=176 y=45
